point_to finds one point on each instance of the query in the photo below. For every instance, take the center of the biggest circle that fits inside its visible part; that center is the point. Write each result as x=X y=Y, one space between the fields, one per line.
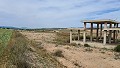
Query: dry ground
x=76 y=57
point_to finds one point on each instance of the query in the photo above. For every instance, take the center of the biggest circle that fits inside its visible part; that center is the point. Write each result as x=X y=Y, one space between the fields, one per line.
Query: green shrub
x=73 y=44
x=58 y=53
x=117 y=48
x=86 y=45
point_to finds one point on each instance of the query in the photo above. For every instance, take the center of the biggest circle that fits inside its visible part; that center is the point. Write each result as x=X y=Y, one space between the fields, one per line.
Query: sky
x=56 y=13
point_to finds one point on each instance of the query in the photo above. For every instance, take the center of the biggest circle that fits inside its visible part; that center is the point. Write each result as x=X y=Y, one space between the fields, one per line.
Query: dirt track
x=76 y=57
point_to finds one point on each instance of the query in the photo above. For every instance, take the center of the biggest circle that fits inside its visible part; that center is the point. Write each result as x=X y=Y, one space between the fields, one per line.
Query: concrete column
x=100 y=31
x=78 y=34
x=70 y=36
x=117 y=32
x=117 y=25
x=97 y=35
x=110 y=33
x=84 y=34
x=105 y=33
x=114 y=33
x=74 y=36
x=116 y=36
x=91 y=32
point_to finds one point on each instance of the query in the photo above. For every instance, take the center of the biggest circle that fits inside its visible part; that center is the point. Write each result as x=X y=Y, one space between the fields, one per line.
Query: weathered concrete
x=70 y=36
x=91 y=32
x=84 y=33
x=97 y=34
x=105 y=34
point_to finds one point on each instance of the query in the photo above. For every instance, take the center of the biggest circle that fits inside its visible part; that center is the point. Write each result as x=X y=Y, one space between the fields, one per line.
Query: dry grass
x=62 y=38
x=24 y=54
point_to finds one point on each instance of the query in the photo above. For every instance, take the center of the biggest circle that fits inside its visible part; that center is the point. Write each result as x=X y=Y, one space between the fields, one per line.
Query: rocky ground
x=75 y=56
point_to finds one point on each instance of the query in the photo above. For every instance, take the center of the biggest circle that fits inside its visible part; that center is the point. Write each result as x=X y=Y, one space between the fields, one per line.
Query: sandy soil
x=76 y=57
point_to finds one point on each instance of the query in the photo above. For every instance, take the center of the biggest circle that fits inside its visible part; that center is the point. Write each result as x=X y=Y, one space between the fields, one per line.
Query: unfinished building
x=103 y=31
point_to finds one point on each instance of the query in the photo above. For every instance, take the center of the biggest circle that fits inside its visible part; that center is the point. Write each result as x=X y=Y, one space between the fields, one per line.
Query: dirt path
x=76 y=57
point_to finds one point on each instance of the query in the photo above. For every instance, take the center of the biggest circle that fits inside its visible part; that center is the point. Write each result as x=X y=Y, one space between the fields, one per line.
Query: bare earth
x=76 y=57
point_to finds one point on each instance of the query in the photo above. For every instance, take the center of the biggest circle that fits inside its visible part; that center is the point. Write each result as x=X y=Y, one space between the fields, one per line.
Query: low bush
x=58 y=53
x=117 y=48
x=87 y=45
x=73 y=44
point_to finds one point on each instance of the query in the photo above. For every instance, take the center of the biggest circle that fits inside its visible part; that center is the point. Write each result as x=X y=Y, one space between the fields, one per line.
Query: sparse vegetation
x=73 y=44
x=104 y=49
x=117 y=48
x=58 y=53
x=17 y=52
x=21 y=54
x=89 y=49
x=117 y=52
x=62 y=38
x=103 y=52
x=71 y=54
x=117 y=56
x=87 y=45
x=76 y=64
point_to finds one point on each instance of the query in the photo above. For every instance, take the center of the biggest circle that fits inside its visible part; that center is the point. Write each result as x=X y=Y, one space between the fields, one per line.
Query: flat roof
x=108 y=29
x=101 y=21
x=76 y=28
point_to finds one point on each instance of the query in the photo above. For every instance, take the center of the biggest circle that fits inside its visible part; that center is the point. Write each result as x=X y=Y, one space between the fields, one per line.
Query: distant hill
x=25 y=28
x=9 y=27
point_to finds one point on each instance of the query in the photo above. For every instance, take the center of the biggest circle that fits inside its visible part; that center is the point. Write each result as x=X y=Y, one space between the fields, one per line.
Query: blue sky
x=56 y=13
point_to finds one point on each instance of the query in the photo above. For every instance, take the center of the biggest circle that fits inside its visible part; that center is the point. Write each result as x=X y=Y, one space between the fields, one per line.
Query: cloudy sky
x=56 y=13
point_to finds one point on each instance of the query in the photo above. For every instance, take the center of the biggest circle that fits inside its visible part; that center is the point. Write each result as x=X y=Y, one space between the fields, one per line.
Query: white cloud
x=55 y=13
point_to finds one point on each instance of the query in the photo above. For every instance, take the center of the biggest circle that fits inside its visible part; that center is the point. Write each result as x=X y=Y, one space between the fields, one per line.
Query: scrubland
x=74 y=55
x=49 y=49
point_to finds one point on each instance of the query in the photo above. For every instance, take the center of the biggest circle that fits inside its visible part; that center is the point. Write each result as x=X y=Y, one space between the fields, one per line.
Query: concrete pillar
x=114 y=34
x=78 y=34
x=117 y=25
x=105 y=33
x=110 y=33
x=100 y=30
x=74 y=36
x=84 y=34
x=97 y=35
x=70 y=36
x=91 y=32
x=117 y=32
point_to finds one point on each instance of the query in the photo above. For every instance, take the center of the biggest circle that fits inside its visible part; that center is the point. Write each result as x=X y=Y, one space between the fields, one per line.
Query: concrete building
x=106 y=31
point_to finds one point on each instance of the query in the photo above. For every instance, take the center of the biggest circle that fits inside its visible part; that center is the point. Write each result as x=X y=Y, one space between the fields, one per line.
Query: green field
x=5 y=36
